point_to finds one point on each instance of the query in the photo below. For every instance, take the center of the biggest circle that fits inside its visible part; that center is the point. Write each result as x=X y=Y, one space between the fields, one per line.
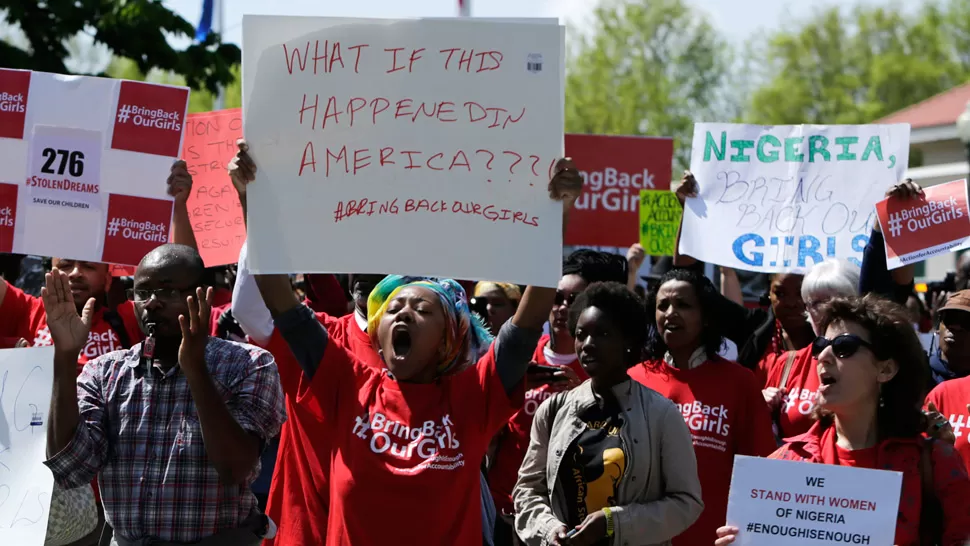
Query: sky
x=736 y=19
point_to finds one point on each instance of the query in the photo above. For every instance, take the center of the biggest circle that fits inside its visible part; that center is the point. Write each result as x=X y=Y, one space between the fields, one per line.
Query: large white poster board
x=84 y=163
x=419 y=146
x=783 y=198
x=26 y=376
x=779 y=503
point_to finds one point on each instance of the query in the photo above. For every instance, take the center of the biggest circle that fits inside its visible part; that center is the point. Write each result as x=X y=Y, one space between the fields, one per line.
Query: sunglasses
x=843 y=345
x=563 y=299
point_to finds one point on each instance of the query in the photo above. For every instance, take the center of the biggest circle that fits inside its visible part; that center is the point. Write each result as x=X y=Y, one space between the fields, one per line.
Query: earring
x=882 y=402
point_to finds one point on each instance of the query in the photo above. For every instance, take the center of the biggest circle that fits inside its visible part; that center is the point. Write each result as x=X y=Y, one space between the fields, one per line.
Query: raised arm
x=512 y=349
x=875 y=276
x=306 y=337
x=688 y=188
x=180 y=187
x=77 y=446
x=731 y=285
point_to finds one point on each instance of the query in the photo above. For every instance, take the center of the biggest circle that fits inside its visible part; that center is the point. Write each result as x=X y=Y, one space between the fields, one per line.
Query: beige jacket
x=659 y=495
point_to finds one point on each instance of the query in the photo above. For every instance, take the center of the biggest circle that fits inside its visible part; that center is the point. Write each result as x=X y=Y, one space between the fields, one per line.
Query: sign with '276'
x=86 y=183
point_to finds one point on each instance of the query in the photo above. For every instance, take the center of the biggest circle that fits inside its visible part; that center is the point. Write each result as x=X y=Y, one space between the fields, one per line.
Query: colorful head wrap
x=466 y=338
x=511 y=291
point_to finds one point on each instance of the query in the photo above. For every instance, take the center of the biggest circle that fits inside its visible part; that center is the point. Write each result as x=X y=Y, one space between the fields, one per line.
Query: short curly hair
x=622 y=306
x=892 y=334
x=713 y=333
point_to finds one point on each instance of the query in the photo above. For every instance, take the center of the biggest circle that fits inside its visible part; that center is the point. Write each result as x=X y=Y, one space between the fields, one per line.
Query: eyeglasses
x=562 y=298
x=164 y=295
x=843 y=345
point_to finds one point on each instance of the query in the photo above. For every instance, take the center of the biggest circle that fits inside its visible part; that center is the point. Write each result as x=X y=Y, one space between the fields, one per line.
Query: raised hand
x=688 y=187
x=566 y=184
x=635 y=256
x=68 y=330
x=180 y=182
x=242 y=169
x=195 y=331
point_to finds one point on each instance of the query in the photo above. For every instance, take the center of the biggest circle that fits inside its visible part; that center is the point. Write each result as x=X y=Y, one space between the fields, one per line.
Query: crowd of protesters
x=220 y=407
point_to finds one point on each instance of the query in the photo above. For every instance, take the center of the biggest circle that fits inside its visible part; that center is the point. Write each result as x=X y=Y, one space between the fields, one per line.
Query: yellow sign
x=660 y=214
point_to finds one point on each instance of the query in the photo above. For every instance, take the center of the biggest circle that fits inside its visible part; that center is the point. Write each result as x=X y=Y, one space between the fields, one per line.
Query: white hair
x=830 y=279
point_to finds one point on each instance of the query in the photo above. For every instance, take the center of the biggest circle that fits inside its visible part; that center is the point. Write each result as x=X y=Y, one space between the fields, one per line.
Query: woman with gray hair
x=790 y=379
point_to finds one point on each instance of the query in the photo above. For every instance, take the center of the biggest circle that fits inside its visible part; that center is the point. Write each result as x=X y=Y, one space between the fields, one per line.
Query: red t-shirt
x=299 y=495
x=802 y=385
x=23 y=316
x=413 y=450
x=951 y=399
x=515 y=435
x=722 y=404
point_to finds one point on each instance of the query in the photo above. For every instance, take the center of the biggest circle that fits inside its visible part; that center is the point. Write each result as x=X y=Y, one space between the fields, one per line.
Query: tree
x=133 y=29
x=859 y=67
x=648 y=67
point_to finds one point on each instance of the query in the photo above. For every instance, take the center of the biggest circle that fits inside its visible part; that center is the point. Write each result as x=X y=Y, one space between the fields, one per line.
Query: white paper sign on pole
x=26 y=376
x=783 y=198
x=84 y=163
x=424 y=147
x=787 y=503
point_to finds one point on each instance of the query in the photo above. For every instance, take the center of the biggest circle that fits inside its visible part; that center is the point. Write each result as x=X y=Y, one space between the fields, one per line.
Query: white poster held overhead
x=780 y=503
x=26 y=376
x=783 y=198
x=419 y=146
x=84 y=163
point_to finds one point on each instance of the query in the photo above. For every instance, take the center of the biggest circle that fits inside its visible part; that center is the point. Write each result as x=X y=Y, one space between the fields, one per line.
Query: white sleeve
x=247 y=304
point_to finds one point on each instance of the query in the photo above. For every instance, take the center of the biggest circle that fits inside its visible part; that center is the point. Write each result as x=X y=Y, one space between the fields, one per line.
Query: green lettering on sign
x=660 y=214
x=792 y=150
x=772 y=156
x=740 y=146
x=845 y=142
x=817 y=145
x=710 y=144
x=875 y=147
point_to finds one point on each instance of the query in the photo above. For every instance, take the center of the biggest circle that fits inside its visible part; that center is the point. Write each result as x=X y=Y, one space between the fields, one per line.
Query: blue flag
x=205 y=22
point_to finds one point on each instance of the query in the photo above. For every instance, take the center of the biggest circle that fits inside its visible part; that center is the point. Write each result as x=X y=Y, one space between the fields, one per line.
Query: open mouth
x=669 y=327
x=826 y=380
x=401 y=341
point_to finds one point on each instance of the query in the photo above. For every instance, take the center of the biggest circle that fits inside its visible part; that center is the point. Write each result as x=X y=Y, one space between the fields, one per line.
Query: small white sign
x=26 y=376
x=778 y=503
x=65 y=167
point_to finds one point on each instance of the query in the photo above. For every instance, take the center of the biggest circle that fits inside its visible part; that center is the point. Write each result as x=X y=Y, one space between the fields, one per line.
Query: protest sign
x=615 y=169
x=26 y=376
x=659 y=219
x=87 y=182
x=214 y=209
x=777 y=503
x=916 y=229
x=380 y=143
x=783 y=198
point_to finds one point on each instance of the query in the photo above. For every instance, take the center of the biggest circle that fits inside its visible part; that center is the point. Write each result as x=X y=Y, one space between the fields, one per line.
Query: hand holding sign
x=180 y=183
x=242 y=170
x=688 y=188
x=567 y=183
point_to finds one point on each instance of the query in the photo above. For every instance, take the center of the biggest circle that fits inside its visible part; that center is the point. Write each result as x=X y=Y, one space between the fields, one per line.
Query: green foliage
x=199 y=101
x=861 y=65
x=133 y=29
x=648 y=67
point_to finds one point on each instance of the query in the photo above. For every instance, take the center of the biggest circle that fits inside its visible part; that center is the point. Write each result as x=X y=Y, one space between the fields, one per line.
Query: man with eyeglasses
x=23 y=316
x=172 y=427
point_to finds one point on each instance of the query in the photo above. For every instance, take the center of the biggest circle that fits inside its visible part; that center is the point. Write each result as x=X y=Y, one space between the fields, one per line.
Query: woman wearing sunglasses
x=871 y=370
x=718 y=399
x=554 y=352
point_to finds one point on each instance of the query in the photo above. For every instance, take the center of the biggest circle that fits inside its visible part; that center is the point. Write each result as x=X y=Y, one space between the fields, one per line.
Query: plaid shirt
x=140 y=433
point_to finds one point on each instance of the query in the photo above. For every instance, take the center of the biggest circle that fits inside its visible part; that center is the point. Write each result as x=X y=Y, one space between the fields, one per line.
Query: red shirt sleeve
x=952 y=490
x=763 y=369
x=756 y=437
x=21 y=315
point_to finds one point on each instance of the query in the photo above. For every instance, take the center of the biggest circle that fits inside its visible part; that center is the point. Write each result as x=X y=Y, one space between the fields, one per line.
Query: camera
x=948 y=284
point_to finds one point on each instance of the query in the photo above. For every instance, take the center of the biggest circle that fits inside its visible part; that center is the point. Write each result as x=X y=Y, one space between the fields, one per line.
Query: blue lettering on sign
x=809 y=249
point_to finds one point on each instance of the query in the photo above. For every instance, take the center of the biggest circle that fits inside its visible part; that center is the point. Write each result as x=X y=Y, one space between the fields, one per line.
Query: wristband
x=609 y=522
